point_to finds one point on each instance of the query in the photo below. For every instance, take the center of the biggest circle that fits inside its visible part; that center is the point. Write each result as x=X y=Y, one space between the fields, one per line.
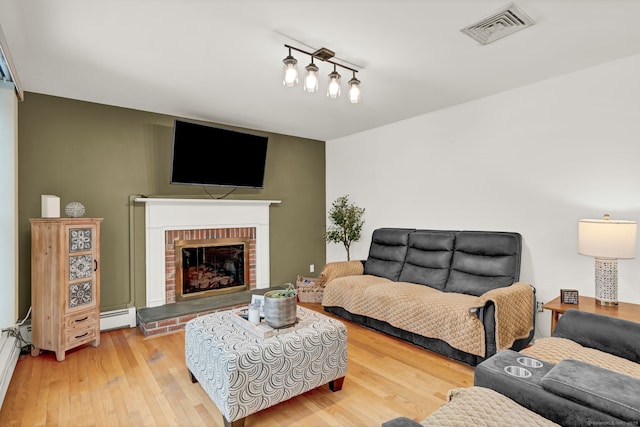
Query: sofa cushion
x=428 y=258
x=483 y=261
x=610 y=392
x=387 y=252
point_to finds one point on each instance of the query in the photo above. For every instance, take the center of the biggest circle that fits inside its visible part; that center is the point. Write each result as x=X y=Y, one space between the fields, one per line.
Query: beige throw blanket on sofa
x=435 y=314
x=333 y=270
x=555 y=349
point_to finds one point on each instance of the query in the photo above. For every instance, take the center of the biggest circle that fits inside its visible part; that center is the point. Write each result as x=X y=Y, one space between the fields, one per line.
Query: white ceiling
x=220 y=61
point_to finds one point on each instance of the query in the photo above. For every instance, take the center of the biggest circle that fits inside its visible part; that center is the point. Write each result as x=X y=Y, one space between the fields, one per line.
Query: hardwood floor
x=130 y=380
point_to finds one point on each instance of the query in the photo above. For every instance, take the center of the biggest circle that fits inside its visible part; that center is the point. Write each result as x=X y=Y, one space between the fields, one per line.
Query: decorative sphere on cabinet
x=74 y=210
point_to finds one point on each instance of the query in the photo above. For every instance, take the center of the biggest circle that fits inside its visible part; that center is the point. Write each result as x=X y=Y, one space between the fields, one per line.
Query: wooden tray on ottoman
x=262 y=330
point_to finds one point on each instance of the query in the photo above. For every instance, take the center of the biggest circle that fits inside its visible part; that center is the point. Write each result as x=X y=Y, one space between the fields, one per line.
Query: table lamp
x=607 y=240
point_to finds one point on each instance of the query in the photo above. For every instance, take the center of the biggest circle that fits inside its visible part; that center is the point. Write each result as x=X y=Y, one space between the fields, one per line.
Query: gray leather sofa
x=467 y=262
x=575 y=388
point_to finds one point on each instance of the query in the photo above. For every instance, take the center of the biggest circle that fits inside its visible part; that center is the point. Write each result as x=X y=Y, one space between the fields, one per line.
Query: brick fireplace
x=168 y=220
x=211 y=276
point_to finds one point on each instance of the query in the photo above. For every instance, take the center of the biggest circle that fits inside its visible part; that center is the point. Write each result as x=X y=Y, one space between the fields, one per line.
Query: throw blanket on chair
x=433 y=313
x=479 y=406
x=514 y=315
x=555 y=349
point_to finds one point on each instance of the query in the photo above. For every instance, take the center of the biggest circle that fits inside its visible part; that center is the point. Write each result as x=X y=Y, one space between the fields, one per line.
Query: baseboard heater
x=117 y=319
x=9 y=352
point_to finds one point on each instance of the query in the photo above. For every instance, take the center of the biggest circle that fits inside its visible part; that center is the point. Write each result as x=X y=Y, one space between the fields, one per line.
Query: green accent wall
x=105 y=156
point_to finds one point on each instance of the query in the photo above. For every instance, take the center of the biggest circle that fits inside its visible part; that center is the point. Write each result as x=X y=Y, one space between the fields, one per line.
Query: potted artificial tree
x=346 y=223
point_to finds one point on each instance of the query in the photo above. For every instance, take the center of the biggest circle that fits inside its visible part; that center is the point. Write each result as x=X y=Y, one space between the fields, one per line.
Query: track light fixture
x=310 y=83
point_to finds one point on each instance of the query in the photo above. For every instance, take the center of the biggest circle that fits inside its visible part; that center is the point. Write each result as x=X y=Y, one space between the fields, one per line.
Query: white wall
x=9 y=205
x=532 y=160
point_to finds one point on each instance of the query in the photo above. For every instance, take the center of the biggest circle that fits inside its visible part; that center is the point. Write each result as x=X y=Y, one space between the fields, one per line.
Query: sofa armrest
x=609 y=334
x=502 y=316
x=333 y=270
x=607 y=391
x=506 y=295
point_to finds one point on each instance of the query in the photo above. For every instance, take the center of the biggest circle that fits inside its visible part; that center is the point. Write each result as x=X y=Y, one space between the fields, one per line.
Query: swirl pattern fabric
x=244 y=374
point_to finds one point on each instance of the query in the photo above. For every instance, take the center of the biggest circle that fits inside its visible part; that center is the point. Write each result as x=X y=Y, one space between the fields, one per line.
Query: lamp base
x=606 y=303
x=607 y=281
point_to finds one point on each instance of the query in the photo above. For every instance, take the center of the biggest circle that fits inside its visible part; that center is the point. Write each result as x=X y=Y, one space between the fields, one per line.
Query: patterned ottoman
x=244 y=373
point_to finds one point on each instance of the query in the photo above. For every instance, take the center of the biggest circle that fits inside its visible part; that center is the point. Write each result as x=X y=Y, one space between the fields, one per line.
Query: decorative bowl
x=74 y=210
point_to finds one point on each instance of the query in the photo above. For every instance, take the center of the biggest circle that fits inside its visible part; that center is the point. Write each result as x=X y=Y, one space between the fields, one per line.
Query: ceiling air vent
x=502 y=23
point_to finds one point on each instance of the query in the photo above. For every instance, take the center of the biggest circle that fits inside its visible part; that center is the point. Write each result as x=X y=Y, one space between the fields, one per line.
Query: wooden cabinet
x=65 y=283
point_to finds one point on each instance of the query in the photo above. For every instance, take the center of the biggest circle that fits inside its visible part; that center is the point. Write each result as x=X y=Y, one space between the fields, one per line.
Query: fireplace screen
x=207 y=267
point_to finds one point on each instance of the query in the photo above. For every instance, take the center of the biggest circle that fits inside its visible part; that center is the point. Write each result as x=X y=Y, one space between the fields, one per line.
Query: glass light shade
x=603 y=238
x=290 y=71
x=311 y=78
x=333 y=91
x=355 y=95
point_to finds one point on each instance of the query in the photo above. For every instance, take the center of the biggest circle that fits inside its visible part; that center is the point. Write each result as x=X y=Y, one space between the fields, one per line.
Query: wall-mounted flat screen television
x=205 y=155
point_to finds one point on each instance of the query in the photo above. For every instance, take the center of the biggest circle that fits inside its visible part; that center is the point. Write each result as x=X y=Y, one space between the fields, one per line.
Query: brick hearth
x=173 y=317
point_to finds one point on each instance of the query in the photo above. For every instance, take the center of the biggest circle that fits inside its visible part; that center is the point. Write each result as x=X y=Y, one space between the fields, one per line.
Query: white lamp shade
x=603 y=238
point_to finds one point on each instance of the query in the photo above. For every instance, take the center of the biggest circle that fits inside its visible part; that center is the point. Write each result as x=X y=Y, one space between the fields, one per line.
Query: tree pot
x=280 y=312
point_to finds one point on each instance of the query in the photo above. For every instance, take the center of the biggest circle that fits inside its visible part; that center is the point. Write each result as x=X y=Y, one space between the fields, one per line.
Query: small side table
x=623 y=310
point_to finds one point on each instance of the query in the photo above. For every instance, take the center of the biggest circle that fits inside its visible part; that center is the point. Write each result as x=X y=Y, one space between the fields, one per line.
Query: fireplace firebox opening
x=210 y=267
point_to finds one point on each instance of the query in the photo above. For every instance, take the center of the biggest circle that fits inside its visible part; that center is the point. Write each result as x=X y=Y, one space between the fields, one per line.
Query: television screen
x=205 y=155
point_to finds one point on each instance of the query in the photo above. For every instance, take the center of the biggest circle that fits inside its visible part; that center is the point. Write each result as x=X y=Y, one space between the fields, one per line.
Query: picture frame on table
x=569 y=296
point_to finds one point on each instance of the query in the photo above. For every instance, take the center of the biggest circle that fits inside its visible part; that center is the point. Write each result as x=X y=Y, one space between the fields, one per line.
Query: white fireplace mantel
x=163 y=214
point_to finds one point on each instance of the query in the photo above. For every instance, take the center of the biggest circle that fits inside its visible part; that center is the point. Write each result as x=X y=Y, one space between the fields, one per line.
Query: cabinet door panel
x=80 y=295
x=80 y=267
x=80 y=239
